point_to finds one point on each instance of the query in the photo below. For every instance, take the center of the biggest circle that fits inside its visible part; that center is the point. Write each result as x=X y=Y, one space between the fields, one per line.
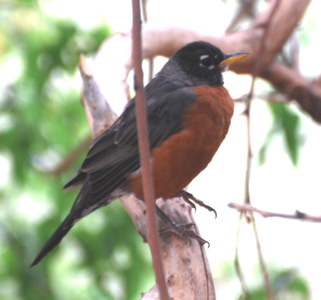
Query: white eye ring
x=202 y=57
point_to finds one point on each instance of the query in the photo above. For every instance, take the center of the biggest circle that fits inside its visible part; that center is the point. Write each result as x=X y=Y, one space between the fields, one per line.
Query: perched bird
x=189 y=113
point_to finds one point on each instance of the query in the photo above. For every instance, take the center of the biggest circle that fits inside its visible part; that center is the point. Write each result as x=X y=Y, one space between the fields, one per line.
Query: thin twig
x=295 y=52
x=210 y=292
x=237 y=263
x=268 y=287
x=268 y=214
x=256 y=68
x=144 y=151
x=269 y=97
x=144 y=10
x=247 y=112
x=151 y=59
x=245 y=10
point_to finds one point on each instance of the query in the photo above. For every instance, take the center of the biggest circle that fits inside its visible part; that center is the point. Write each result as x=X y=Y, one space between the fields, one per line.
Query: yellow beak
x=232 y=58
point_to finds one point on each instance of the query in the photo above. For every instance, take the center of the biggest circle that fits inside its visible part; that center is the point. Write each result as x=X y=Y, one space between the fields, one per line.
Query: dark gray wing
x=115 y=154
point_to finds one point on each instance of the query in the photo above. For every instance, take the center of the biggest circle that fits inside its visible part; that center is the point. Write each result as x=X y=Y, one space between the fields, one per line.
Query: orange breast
x=179 y=159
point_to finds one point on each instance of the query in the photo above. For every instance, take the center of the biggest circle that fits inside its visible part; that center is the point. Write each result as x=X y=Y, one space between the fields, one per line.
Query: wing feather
x=115 y=153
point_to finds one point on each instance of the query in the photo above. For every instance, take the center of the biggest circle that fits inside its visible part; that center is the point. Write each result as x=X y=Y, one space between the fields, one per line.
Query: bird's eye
x=206 y=62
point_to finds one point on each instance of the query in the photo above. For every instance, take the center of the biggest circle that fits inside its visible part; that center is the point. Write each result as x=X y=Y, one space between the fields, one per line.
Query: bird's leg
x=188 y=198
x=182 y=231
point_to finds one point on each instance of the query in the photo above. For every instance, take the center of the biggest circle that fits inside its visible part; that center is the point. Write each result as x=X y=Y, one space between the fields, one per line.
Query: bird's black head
x=201 y=63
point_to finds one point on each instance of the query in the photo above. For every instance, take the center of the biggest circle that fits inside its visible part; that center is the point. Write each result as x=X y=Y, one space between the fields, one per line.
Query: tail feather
x=82 y=207
x=55 y=239
x=78 y=180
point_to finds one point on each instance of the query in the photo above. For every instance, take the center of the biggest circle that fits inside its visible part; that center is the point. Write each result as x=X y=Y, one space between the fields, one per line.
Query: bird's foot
x=190 y=199
x=182 y=231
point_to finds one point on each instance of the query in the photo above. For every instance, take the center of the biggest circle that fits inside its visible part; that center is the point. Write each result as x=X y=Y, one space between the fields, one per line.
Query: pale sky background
x=276 y=186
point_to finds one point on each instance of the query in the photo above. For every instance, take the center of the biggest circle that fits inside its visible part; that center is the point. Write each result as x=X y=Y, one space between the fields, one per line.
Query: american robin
x=189 y=113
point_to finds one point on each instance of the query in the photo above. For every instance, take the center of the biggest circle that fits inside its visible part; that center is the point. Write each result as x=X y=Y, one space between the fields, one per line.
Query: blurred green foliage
x=286 y=285
x=41 y=121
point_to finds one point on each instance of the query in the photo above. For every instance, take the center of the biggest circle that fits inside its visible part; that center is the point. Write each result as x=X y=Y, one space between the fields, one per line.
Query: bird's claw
x=190 y=199
x=184 y=232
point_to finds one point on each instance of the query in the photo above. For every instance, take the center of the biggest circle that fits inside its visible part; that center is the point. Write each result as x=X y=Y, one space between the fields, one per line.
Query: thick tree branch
x=99 y=113
x=279 y=29
x=288 y=81
x=115 y=53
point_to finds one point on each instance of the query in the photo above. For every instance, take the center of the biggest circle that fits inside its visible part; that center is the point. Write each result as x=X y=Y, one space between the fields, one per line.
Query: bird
x=189 y=112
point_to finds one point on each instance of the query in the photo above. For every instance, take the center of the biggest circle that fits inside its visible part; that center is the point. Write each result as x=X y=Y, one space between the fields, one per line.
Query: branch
x=99 y=113
x=261 y=54
x=245 y=9
x=266 y=214
x=307 y=94
x=237 y=262
x=145 y=155
x=164 y=41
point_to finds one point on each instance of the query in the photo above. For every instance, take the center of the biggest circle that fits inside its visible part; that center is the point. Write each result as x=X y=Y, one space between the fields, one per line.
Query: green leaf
x=285 y=122
x=288 y=123
x=264 y=147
